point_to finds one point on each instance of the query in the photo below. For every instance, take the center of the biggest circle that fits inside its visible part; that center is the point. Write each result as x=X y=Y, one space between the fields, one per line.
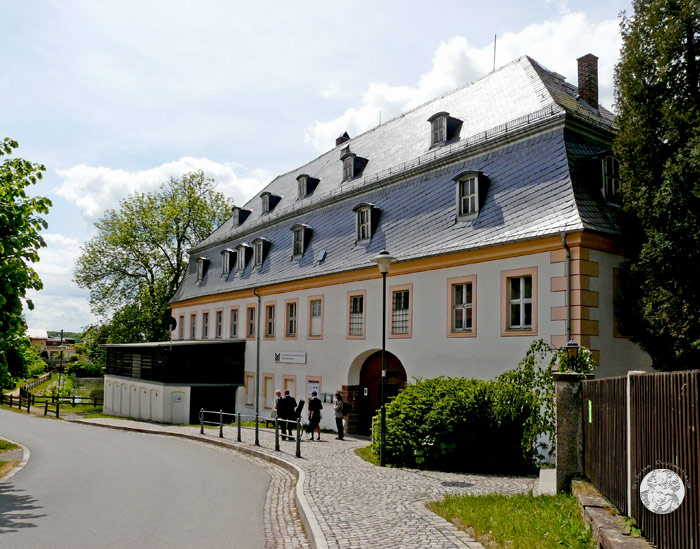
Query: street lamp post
x=383 y=261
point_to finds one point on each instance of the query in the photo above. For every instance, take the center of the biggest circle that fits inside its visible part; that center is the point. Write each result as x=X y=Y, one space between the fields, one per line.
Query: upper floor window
x=439 y=130
x=301 y=185
x=242 y=252
x=226 y=256
x=260 y=248
x=348 y=168
x=366 y=220
x=316 y=317
x=258 y=253
x=470 y=188
x=353 y=165
x=269 y=201
x=443 y=128
x=201 y=267
x=250 y=329
x=233 y=329
x=205 y=325
x=462 y=306
x=239 y=215
x=611 y=179
x=298 y=241
x=270 y=321
x=265 y=203
x=291 y=320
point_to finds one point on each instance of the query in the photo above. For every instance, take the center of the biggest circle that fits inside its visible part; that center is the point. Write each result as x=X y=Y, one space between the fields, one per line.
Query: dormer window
x=226 y=256
x=366 y=220
x=348 y=168
x=260 y=249
x=242 y=253
x=302 y=235
x=269 y=201
x=470 y=191
x=239 y=216
x=302 y=180
x=201 y=267
x=443 y=128
x=352 y=164
x=611 y=179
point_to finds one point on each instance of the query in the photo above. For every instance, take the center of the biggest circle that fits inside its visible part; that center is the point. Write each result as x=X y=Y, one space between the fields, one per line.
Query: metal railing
x=218 y=421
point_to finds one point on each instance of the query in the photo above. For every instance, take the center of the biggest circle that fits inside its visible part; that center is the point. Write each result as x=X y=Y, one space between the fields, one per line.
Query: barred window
x=462 y=311
x=234 y=323
x=520 y=302
x=291 y=319
x=400 y=312
x=356 y=315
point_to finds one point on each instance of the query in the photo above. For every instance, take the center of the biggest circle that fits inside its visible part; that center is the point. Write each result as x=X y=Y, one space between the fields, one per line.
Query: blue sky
x=119 y=96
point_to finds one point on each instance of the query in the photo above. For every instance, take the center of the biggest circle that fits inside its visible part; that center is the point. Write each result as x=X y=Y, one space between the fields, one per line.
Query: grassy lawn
x=518 y=522
x=7 y=466
x=366 y=454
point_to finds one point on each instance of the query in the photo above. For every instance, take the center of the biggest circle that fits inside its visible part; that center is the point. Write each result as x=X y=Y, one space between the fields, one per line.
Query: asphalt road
x=92 y=487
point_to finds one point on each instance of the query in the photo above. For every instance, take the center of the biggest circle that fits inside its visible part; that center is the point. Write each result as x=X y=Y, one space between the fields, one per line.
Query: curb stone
x=25 y=458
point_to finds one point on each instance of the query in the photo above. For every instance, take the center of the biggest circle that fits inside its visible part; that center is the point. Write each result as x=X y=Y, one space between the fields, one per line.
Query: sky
x=115 y=97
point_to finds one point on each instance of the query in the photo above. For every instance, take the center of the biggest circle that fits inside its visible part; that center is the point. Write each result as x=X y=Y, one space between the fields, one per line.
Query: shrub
x=84 y=369
x=457 y=424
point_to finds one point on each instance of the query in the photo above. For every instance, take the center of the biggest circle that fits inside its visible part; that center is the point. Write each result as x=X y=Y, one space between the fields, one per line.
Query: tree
x=137 y=259
x=658 y=99
x=20 y=241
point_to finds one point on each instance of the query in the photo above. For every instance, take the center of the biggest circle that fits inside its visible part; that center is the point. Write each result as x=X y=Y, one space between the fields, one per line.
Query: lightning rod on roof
x=494 y=52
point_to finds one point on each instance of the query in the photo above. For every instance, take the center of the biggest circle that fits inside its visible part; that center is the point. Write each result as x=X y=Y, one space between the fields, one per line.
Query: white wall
x=149 y=400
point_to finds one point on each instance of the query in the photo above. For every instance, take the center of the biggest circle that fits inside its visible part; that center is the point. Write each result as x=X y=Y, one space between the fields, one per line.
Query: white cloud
x=331 y=90
x=95 y=189
x=61 y=303
x=555 y=44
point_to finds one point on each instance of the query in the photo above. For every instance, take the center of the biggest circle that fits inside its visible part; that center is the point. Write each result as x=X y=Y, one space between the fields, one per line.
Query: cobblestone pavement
x=349 y=503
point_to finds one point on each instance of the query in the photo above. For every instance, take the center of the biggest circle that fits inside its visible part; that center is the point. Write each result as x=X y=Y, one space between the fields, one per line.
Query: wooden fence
x=634 y=425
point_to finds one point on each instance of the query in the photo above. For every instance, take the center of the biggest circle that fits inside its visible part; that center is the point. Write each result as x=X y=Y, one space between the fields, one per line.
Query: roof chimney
x=588 y=79
x=342 y=139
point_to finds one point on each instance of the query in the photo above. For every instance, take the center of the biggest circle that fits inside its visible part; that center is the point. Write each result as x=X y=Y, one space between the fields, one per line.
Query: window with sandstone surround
x=356 y=314
x=519 y=302
x=233 y=326
x=315 y=317
x=461 y=306
x=250 y=322
x=401 y=303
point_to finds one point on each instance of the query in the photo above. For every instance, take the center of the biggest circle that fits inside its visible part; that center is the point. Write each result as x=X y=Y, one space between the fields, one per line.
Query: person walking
x=338 y=408
x=286 y=412
x=315 y=407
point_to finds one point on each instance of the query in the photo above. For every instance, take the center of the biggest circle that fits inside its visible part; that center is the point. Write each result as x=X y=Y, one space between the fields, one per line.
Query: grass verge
x=7 y=466
x=518 y=522
x=6 y=446
x=366 y=454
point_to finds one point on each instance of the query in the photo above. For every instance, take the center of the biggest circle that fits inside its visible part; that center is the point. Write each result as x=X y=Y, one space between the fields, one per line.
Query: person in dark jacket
x=315 y=407
x=286 y=411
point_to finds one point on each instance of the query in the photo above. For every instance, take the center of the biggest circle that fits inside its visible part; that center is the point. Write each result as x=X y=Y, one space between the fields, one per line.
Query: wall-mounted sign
x=291 y=357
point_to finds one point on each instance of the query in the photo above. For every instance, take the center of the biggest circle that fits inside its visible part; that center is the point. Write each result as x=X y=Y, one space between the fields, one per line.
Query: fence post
x=95 y=404
x=46 y=407
x=277 y=435
x=257 y=438
x=29 y=402
x=58 y=408
x=11 y=397
x=628 y=442
x=73 y=397
x=569 y=427
x=221 y=424
x=298 y=437
x=201 y=421
x=239 y=426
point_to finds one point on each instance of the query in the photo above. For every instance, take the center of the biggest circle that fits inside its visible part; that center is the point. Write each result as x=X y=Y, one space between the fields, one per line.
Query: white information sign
x=291 y=357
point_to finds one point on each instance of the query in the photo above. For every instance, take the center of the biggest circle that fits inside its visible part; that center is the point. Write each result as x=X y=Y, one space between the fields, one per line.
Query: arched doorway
x=368 y=399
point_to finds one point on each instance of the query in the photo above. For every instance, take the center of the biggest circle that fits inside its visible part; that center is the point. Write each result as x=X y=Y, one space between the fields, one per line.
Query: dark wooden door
x=368 y=402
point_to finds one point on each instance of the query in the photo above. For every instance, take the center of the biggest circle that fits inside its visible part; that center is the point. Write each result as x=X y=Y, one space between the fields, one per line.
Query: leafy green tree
x=137 y=259
x=20 y=241
x=658 y=98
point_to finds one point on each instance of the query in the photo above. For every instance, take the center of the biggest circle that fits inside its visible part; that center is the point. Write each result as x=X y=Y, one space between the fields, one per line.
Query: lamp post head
x=383 y=260
x=572 y=348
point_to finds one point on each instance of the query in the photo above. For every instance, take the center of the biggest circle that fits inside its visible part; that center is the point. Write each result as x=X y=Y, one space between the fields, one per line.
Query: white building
x=495 y=199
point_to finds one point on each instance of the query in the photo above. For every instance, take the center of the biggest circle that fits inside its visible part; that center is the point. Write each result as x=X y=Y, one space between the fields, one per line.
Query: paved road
x=89 y=487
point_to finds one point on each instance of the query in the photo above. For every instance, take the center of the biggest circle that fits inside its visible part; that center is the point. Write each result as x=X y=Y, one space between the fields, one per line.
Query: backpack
x=346 y=408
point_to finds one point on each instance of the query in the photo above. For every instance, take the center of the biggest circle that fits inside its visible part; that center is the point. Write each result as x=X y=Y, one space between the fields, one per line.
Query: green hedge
x=84 y=369
x=458 y=424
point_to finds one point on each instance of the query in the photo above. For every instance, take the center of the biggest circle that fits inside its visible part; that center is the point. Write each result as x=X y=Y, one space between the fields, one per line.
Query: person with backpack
x=340 y=407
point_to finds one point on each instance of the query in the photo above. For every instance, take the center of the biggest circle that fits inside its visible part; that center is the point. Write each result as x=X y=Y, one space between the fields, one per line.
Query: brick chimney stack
x=588 y=79
x=342 y=139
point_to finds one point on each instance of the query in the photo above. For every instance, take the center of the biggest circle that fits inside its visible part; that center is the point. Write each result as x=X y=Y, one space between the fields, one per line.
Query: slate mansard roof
x=522 y=126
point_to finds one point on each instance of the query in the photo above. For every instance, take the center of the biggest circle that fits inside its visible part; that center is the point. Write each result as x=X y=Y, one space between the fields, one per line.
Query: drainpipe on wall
x=257 y=351
x=568 y=286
